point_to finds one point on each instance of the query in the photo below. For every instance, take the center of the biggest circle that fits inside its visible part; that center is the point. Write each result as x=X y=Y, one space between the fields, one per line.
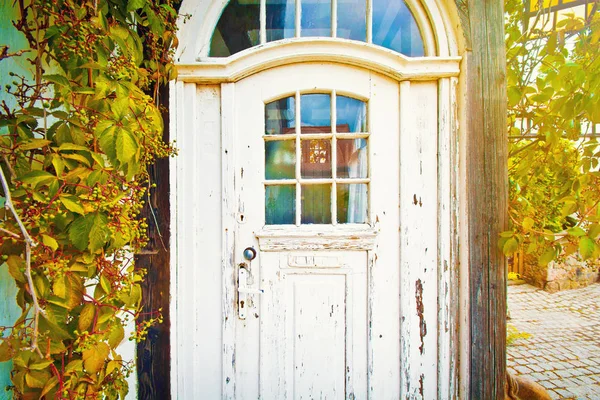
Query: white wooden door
x=315 y=177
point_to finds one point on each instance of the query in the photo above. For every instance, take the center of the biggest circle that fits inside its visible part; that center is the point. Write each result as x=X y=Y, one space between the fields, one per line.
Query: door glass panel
x=280 y=116
x=316 y=113
x=351 y=115
x=238 y=28
x=316 y=18
x=281 y=19
x=280 y=205
x=394 y=27
x=316 y=159
x=352 y=203
x=352 y=19
x=280 y=159
x=316 y=204
x=347 y=184
x=351 y=158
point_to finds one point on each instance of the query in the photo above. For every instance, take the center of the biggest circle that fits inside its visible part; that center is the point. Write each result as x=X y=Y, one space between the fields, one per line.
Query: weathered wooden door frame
x=483 y=157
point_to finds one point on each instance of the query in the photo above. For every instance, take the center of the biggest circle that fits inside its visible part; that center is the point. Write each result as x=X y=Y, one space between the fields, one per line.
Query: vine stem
x=29 y=243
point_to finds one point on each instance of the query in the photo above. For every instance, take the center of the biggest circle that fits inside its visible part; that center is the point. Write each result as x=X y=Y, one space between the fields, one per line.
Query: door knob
x=249 y=253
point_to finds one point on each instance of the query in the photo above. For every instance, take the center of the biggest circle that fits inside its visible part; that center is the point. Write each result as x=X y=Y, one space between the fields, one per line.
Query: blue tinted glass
x=352 y=20
x=351 y=115
x=280 y=205
x=316 y=18
x=316 y=113
x=316 y=204
x=238 y=28
x=280 y=116
x=352 y=203
x=281 y=19
x=394 y=27
x=280 y=159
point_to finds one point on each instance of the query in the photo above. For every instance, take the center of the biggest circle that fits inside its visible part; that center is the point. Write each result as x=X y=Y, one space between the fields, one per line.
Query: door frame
x=482 y=148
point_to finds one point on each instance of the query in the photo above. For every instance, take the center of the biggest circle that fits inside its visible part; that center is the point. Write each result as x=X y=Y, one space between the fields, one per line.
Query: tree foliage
x=553 y=75
x=74 y=152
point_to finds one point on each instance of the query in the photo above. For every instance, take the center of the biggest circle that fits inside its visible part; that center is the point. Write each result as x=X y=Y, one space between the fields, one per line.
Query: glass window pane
x=238 y=29
x=352 y=203
x=316 y=113
x=280 y=116
x=280 y=205
x=316 y=204
x=281 y=19
x=352 y=158
x=351 y=115
x=394 y=27
x=352 y=19
x=316 y=159
x=280 y=159
x=316 y=18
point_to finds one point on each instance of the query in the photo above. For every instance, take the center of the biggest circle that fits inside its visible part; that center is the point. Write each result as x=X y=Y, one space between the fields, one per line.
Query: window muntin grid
x=248 y=23
x=316 y=172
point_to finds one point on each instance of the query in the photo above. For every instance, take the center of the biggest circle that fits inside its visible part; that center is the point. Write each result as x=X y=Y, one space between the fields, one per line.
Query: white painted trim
x=342 y=51
x=175 y=100
x=317 y=237
x=228 y=243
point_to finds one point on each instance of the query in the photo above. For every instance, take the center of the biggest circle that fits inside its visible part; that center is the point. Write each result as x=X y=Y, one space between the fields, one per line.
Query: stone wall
x=568 y=272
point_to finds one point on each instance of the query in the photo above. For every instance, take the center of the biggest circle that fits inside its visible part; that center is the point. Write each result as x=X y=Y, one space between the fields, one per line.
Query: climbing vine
x=553 y=75
x=75 y=145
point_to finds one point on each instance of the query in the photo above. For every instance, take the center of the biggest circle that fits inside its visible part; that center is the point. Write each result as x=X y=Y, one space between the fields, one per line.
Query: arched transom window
x=248 y=23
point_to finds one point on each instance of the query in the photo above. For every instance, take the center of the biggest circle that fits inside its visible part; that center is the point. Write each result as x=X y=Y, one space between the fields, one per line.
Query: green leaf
x=120 y=108
x=57 y=79
x=105 y=284
x=587 y=247
x=576 y=231
x=108 y=143
x=79 y=231
x=72 y=203
x=94 y=358
x=52 y=382
x=34 y=144
x=528 y=223
x=511 y=246
x=40 y=365
x=127 y=145
x=594 y=231
x=86 y=317
x=15 y=267
x=133 y=5
x=72 y=146
x=35 y=178
x=36 y=379
x=99 y=233
x=55 y=330
x=117 y=334
x=50 y=242
x=547 y=257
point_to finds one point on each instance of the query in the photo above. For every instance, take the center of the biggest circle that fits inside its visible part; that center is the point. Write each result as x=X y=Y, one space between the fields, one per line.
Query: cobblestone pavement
x=563 y=352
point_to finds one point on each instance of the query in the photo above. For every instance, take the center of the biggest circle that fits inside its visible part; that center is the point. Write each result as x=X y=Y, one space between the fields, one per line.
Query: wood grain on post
x=486 y=161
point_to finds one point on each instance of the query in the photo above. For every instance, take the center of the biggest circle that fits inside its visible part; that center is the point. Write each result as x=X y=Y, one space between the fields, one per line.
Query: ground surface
x=563 y=352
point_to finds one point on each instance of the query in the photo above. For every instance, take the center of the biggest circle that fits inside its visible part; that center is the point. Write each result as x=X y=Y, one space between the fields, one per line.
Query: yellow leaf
x=86 y=317
x=94 y=358
x=50 y=242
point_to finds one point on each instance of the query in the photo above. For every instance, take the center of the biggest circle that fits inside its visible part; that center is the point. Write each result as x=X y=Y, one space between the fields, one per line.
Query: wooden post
x=486 y=161
x=154 y=353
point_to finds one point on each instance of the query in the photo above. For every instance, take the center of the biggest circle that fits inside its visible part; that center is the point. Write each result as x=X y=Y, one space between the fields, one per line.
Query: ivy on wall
x=74 y=152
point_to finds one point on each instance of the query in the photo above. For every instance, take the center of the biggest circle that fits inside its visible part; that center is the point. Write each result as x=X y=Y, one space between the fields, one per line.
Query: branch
x=29 y=243
x=5 y=54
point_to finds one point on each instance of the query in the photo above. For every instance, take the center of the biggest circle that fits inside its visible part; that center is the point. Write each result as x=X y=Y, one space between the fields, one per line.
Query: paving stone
x=563 y=354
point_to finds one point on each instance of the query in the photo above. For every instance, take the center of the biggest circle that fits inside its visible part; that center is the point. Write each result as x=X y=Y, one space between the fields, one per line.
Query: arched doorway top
x=437 y=23
x=275 y=54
